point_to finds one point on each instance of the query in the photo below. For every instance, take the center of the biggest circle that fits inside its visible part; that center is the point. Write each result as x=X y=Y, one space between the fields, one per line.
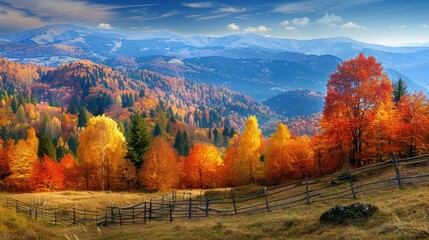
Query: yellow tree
x=102 y=144
x=202 y=167
x=249 y=149
x=23 y=160
x=277 y=161
x=160 y=170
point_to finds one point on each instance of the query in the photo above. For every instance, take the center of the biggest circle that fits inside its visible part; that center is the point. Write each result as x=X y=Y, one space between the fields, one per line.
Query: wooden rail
x=390 y=174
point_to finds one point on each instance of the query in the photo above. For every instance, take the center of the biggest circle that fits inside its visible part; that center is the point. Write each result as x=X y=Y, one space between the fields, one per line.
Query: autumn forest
x=85 y=126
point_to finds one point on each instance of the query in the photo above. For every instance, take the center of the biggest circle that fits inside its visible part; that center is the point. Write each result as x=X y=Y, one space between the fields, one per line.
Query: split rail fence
x=392 y=174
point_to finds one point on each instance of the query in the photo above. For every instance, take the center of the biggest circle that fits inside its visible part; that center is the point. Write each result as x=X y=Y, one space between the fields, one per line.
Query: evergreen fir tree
x=231 y=132
x=46 y=147
x=157 y=131
x=82 y=118
x=399 y=90
x=186 y=145
x=14 y=105
x=139 y=140
x=179 y=143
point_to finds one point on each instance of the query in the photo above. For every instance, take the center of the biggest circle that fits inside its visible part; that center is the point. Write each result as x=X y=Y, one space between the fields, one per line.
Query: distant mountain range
x=258 y=66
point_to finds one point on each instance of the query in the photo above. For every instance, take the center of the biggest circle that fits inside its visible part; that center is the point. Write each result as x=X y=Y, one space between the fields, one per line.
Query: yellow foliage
x=101 y=145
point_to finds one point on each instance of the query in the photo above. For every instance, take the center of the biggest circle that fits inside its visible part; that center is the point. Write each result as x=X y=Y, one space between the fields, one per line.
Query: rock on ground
x=347 y=214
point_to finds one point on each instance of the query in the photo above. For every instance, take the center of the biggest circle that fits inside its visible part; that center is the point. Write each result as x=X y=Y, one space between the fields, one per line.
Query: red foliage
x=47 y=176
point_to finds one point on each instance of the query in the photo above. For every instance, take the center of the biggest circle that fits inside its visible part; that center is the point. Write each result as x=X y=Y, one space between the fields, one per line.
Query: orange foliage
x=70 y=170
x=201 y=168
x=413 y=131
x=355 y=91
x=160 y=170
x=23 y=160
x=47 y=176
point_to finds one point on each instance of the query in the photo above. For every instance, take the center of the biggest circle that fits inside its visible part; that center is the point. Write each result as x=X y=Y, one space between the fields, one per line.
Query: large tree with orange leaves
x=413 y=131
x=47 y=175
x=160 y=170
x=202 y=167
x=277 y=158
x=22 y=163
x=355 y=90
x=71 y=172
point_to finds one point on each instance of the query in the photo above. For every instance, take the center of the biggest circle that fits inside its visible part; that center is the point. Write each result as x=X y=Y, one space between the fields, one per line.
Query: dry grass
x=403 y=215
x=92 y=200
x=16 y=226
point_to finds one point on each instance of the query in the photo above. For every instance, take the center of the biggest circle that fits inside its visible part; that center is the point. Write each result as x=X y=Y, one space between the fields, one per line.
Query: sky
x=388 y=22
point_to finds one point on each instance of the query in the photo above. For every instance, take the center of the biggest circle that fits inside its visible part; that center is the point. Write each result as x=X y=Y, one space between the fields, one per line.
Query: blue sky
x=375 y=21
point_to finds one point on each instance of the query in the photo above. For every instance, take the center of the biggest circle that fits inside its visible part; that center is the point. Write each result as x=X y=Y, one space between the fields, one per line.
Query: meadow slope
x=403 y=215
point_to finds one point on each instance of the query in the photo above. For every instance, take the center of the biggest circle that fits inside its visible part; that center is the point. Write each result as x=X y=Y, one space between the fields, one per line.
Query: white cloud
x=104 y=26
x=424 y=25
x=330 y=19
x=301 y=21
x=351 y=25
x=263 y=29
x=287 y=25
x=231 y=10
x=398 y=27
x=3 y=12
x=198 y=4
x=63 y=10
x=284 y=23
x=257 y=29
x=233 y=27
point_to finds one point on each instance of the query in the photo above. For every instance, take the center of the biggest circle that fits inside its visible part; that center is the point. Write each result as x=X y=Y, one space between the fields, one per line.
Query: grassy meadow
x=402 y=215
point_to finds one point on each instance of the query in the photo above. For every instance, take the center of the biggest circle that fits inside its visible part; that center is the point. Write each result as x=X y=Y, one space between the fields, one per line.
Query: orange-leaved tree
x=231 y=173
x=278 y=164
x=413 y=132
x=354 y=92
x=71 y=172
x=201 y=169
x=160 y=169
x=5 y=161
x=47 y=175
x=102 y=145
x=22 y=162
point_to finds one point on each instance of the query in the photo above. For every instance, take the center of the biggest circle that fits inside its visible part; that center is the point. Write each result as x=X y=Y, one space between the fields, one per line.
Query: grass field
x=403 y=215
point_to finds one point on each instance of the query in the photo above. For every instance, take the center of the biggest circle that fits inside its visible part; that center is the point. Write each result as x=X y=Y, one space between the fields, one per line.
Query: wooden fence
x=349 y=184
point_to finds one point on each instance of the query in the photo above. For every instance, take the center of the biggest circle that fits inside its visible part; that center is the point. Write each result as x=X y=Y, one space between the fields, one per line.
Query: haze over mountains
x=255 y=65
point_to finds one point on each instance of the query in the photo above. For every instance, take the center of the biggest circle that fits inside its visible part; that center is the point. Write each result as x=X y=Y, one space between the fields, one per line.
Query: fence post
x=162 y=204
x=266 y=199
x=306 y=191
x=74 y=215
x=112 y=215
x=233 y=202
x=105 y=217
x=16 y=205
x=150 y=210
x=120 y=216
x=144 y=213
x=35 y=213
x=190 y=208
x=55 y=214
x=398 y=175
x=171 y=212
x=207 y=206
x=350 y=178
x=133 y=215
